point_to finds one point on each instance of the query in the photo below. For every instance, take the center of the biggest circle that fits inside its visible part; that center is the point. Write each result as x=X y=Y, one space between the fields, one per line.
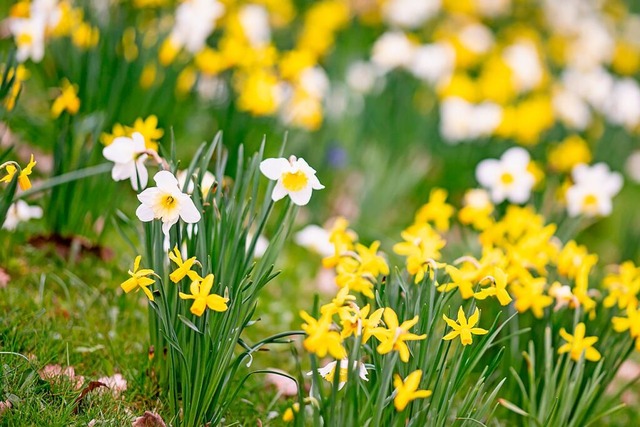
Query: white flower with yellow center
x=294 y=178
x=507 y=178
x=29 y=37
x=592 y=191
x=167 y=203
x=128 y=154
x=329 y=370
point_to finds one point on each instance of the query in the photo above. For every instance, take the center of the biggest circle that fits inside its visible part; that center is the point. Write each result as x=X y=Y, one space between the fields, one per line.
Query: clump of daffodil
x=294 y=177
x=184 y=267
x=395 y=335
x=322 y=338
x=139 y=279
x=408 y=390
x=464 y=328
x=203 y=298
x=578 y=344
x=23 y=177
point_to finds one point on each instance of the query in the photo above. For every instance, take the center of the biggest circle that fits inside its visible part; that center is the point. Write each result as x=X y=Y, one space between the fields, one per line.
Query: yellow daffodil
x=498 y=288
x=463 y=327
x=436 y=210
x=530 y=295
x=421 y=246
x=321 y=338
x=630 y=323
x=184 y=267
x=203 y=298
x=361 y=323
x=395 y=335
x=149 y=129
x=407 y=390
x=139 y=279
x=23 y=177
x=339 y=304
x=464 y=280
x=623 y=285
x=577 y=344
x=67 y=100
x=289 y=413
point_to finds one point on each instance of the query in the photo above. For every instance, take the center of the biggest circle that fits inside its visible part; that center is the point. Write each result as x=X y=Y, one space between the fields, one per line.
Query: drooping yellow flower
x=394 y=336
x=203 y=298
x=184 y=267
x=464 y=279
x=321 y=338
x=139 y=279
x=498 y=288
x=338 y=305
x=67 y=100
x=407 y=390
x=577 y=344
x=23 y=178
x=436 y=210
x=463 y=327
x=421 y=246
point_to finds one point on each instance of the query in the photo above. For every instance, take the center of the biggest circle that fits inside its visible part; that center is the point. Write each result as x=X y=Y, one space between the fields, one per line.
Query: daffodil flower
x=463 y=328
x=407 y=390
x=577 y=344
x=184 y=267
x=23 y=178
x=328 y=371
x=294 y=177
x=139 y=279
x=321 y=338
x=67 y=100
x=166 y=202
x=498 y=288
x=203 y=298
x=507 y=178
x=128 y=154
x=394 y=337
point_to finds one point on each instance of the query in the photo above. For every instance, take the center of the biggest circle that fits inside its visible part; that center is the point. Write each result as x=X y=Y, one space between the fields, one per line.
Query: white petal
x=143 y=175
x=516 y=156
x=301 y=197
x=149 y=196
x=519 y=193
x=119 y=151
x=145 y=213
x=166 y=181
x=278 y=192
x=487 y=172
x=274 y=168
x=138 y=142
x=315 y=183
x=122 y=171
x=166 y=226
x=188 y=211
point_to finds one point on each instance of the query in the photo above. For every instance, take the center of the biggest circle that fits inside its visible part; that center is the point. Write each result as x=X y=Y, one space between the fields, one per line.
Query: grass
x=76 y=315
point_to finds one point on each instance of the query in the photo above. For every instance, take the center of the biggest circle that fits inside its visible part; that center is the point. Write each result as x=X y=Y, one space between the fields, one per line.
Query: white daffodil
x=167 y=203
x=328 y=371
x=592 y=191
x=195 y=21
x=507 y=178
x=128 y=154
x=294 y=178
x=393 y=49
x=19 y=212
x=29 y=37
x=316 y=239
